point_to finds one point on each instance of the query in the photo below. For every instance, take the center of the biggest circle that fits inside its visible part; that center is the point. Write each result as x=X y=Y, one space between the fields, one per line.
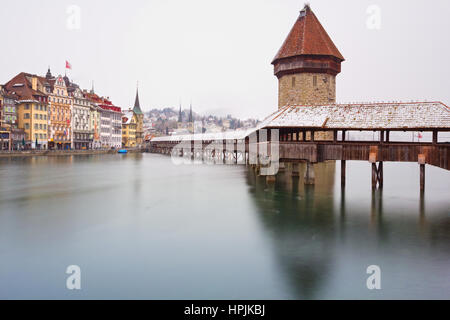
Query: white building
x=81 y=121
x=110 y=126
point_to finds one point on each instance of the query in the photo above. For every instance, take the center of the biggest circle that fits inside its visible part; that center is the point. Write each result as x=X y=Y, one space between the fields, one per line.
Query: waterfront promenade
x=59 y=153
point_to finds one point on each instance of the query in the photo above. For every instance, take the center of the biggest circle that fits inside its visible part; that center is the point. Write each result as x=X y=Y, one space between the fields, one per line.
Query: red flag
x=420 y=135
x=68 y=65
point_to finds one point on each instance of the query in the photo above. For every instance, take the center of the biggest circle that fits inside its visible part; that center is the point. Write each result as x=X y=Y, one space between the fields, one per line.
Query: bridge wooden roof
x=394 y=116
x=367 y=116
x=211 y=136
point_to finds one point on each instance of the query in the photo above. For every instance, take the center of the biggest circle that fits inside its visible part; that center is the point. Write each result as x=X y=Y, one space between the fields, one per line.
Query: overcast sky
x=218 y=53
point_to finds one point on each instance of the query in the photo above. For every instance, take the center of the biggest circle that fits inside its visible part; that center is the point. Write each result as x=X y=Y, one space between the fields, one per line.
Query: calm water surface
x=140 y=227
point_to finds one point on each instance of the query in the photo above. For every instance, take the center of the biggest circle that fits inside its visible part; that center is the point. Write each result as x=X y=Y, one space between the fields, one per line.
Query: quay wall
x=61 y=153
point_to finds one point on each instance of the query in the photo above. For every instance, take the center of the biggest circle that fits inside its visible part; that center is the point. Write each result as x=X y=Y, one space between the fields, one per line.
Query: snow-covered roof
x=228 y=135
x=366 y=116
x=127 y=117
x=412 y=115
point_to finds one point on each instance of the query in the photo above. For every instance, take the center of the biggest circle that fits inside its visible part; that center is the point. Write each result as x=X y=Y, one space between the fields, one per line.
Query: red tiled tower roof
x=308 y=37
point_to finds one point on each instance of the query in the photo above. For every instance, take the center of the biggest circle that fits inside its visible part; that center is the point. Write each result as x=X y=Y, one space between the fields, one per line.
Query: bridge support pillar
x=377 y=175
x=343 y=172
x=295 y=170
x=309 y=174
x=422 y=177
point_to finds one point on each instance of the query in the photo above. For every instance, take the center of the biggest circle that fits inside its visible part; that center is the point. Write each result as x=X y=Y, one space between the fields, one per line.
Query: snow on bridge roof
x=228 y=135
x=414 y=115
x=367 y=116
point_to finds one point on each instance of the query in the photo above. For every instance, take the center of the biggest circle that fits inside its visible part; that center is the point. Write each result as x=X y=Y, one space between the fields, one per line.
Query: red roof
x=102 y=102
x=21 y=86
x=308 y=37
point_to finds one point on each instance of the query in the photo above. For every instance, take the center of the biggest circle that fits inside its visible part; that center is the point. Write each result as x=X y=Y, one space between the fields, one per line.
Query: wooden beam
x=374 y=176
x=377 y=175
x=422 y=177
x=380 y=174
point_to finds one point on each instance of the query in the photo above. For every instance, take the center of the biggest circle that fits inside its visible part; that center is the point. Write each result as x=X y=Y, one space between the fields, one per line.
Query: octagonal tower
x=307 y=64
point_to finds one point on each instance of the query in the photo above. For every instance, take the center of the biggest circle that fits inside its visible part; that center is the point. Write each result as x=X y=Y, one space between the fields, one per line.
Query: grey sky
x=218 y=53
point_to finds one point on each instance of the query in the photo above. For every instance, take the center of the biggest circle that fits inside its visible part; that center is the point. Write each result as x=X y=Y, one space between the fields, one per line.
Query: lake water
x=140 y=227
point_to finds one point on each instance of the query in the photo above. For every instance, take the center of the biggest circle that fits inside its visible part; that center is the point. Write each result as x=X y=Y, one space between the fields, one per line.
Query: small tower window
x=293 y=82
x=315 y=81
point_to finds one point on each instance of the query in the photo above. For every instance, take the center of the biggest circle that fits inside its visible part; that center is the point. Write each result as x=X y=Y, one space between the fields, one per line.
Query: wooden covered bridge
x=374 y=132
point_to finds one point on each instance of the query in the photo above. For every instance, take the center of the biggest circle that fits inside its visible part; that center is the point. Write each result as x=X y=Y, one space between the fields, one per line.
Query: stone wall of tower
x=306 y=89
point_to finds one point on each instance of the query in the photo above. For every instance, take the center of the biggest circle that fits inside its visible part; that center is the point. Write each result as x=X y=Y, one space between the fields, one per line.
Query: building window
x=293 y=82
x=315 y=81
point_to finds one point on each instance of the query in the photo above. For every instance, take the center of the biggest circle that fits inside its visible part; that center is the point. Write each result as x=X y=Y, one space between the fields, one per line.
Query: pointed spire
x=137 y=105
x=92 y=90
x=49 y=74
x=190 y=114
x=180 y=116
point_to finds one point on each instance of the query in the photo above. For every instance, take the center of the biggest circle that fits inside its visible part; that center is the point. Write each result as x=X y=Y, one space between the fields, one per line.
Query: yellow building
x=129 y=129
x=95 y=112
x=95 y=126
x=60 y=112
x=32 y=109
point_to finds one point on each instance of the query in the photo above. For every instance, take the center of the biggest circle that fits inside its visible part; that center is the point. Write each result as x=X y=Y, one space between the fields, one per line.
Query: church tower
x=140 y=119
x=307 y=64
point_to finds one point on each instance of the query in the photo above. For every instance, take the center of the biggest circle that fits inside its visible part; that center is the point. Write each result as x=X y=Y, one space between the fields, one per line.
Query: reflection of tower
x=307 y=64
x=300 y=220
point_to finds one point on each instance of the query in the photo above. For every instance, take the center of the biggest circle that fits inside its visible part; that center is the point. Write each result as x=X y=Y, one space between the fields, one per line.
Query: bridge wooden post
x=343 y=169
x=422 y=161
x=374 y=176
x=295 y=170
x=380 y=174
x=435 y=137
x=377 y=175
x=422 y=177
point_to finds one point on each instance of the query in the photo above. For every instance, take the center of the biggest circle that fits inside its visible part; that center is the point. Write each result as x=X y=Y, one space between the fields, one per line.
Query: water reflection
x=218 y=232
x=322 y=232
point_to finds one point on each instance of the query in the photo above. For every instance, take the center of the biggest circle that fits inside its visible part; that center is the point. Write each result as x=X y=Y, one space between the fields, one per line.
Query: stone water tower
x=307 y=64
